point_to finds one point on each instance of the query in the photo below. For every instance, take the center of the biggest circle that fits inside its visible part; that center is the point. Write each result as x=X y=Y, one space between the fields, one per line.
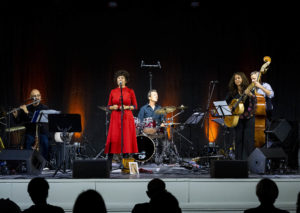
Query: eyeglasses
x=37 y=95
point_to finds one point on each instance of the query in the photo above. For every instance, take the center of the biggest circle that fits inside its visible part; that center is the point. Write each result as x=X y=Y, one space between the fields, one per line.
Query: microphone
x=214 y=82
x=158 y=63
x=142 y=64
x=31 y=99
x=120 y=83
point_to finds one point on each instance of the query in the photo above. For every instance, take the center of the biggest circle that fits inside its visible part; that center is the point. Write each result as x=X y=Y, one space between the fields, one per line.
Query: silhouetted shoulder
x=263 y=210
x=44 y=208
x=141 y=208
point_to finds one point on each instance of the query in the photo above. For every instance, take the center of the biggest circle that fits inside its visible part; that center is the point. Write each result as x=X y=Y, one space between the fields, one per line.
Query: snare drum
x=149 y=126
x=146 y=148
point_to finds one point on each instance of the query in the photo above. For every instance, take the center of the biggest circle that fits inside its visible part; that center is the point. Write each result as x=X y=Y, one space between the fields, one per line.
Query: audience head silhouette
x=155 y=186
x=8 y=206
x=89 y=201
x=267 y=191
x=38 y=190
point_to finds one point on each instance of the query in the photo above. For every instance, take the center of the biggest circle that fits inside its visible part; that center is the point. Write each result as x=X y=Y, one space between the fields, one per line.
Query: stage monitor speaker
x=263 y=160
x=279 y=129
x=229 y=169
x=23 y=161
x=91 y=168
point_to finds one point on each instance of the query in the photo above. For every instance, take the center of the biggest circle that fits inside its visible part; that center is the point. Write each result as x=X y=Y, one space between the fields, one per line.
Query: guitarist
x=24 y=115
x=244 y=130
x=266 y=90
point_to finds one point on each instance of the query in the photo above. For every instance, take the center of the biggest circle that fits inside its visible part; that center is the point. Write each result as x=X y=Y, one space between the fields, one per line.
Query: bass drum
x=146 y=149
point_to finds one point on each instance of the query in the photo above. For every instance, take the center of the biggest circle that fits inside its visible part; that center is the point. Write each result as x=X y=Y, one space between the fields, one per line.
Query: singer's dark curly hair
x=121 y=73
x=233 y=90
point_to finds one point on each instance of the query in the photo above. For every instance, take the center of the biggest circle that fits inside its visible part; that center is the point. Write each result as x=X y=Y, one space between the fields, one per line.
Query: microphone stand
x=122 y=116
x=206 y=115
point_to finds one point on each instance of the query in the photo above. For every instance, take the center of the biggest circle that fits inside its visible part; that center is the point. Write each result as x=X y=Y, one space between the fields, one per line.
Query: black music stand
x=222 y=111
x=64 y=123
x=195 y=118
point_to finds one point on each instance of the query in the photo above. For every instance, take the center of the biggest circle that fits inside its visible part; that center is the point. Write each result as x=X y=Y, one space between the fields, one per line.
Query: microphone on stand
x=158 y=63
x=214 y=82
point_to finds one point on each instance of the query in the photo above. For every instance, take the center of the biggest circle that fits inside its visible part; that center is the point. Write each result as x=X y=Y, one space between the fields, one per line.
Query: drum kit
x=153 y=141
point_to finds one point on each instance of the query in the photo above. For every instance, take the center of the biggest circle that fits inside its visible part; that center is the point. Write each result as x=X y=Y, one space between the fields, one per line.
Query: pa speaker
x=23 y=161
x=229 y=169
x=279 y=129
x=263 y=160
x=91 y=168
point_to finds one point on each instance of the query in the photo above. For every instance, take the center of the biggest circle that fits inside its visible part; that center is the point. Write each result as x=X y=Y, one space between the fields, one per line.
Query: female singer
x=244 y=131
x=114 y=143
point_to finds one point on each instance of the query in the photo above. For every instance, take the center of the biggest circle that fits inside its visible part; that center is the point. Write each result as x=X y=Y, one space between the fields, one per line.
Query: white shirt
x=269 y=105
x=268 y=87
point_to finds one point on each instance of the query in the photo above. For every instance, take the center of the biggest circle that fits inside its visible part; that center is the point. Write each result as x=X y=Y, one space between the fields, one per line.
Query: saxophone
x=36 y=145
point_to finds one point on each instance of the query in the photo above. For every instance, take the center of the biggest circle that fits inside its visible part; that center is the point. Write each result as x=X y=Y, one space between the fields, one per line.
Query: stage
x=194 y=188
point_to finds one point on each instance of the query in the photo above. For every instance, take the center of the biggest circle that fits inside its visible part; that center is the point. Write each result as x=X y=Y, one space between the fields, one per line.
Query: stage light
x=195 y=4
x=112 y=4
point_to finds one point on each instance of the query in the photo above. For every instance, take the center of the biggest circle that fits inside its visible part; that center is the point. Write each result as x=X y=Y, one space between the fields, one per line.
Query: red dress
x=113 y=141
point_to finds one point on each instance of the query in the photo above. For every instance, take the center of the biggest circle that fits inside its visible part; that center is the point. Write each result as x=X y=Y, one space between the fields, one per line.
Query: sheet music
x=222 y=108
x=42 y=115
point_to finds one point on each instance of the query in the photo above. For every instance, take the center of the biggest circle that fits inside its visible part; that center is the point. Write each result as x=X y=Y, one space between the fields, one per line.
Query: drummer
x=147 y=111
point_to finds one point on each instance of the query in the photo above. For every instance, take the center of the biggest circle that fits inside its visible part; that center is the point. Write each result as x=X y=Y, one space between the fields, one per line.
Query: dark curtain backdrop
x=70 y=55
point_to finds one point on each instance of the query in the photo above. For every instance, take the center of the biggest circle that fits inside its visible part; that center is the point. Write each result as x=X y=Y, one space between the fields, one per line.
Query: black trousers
x=244 y=138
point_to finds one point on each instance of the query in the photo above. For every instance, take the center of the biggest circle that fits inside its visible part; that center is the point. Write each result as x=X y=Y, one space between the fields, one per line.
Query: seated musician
x=148 y=110
x=25 y=115
x=266 y=90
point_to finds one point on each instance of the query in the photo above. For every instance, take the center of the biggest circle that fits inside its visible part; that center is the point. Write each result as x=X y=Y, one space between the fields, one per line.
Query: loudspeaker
x=91 y=168
x=229 y=169
x=23 y=161
x=279 y=129
x=263 y=160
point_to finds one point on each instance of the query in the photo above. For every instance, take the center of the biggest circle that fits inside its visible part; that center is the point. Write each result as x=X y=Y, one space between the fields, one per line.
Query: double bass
x=260 y=113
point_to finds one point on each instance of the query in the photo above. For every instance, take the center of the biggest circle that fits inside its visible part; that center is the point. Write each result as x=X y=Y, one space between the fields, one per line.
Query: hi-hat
x=182 y=107
x=165 y=110
x=103 y=108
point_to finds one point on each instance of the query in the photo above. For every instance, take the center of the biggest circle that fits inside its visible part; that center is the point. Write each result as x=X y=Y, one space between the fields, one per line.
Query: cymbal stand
x=106 y=133
x=178 y=131
x=171 y=147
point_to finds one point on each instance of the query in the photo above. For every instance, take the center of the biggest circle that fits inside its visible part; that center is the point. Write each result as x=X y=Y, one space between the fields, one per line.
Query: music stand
x=222 y=111
x=222 y=108
x=195 y=118
x=41 y=116
x=64 y=123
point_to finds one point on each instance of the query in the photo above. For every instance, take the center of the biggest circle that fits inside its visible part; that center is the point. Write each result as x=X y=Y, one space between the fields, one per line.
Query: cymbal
x=170 y=124
x=103 y=108
x=165 y=110
x=182 y=107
